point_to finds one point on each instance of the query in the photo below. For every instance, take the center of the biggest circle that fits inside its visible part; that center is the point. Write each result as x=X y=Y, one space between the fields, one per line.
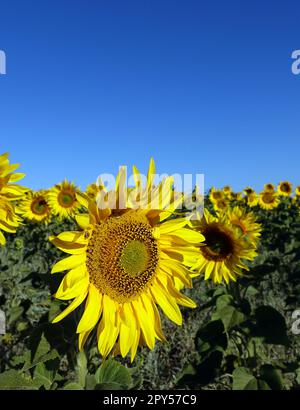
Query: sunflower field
x=96 y=297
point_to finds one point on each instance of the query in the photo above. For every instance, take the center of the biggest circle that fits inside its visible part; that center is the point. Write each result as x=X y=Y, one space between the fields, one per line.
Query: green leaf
x=14 y=314
x=272 y=376
x=73 y=386
x=111 y=371
x=243 y=379
x=270 y=326
x=44 y=373
x=14 y=380
x=224 y=300
x=81 y=368
x=230 y=316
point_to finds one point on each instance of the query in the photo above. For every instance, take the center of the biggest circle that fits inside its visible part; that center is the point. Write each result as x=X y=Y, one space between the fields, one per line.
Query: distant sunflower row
x=268 y=199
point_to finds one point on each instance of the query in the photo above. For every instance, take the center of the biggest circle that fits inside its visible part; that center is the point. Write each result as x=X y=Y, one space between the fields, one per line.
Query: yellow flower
x=62 y=200
x=216 y=195
x=225 y=250
x=221 y=205
x=269 y=187
x=252 y=199
x=285 y=188
x=124 y=263
x=9 y=192
x=249 y=191
x=246 y=222
x=297 y=190
x=268 y=200
x=227 y=189
x=35 y=207
x=235 y=196
x=92 y=190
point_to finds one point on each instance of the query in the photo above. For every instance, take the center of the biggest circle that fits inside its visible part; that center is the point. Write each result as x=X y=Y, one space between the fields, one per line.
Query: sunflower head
x=285 y=188
x=297 y=190
x=246 y=223
x=221 y=205
x=35 y=207
x=235 y=196
x=63 y=201
x=252 y=199
x=216 y=195
x=248 y=191
x=269 y=187
x=125 y=263
x=268 y=200
x=227 y=189
x=223 y=255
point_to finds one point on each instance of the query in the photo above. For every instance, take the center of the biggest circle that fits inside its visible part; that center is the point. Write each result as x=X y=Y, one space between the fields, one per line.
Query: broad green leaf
x=243 y=379
x=15 y=380
x=111 y=371
x=230 y=316
x=272 y=376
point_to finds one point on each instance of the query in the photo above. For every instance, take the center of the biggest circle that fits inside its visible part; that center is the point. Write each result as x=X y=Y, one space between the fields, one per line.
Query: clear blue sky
x=202 y=86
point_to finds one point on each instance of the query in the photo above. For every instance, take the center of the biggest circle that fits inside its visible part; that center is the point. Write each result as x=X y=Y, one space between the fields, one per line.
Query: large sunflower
x=124 y=263
x=225 y=250
x=9 y=192
x=63 y=201
x=297 y=191
x=35 y=207
x=285 y=188
x=268 y=200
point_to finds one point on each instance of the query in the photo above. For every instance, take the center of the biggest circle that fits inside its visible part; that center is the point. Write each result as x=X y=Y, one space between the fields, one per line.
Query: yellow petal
x=69 y=263
x=92 y=311
x=65 y=293
x=72 y=306
x=167 y=303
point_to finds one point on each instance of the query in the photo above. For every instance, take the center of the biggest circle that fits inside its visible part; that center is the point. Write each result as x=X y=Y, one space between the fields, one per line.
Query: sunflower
x=227 y=189
x=63 y=201
x=252 y=199
x=269 y=187
x=9 y=192
x=216 y=195
x=125 y=262
x=225 y=251
x=268 y=200
x=35 y=207
x=246 y=222
x=248 y=191
x=235 y=196
x=92 y=190
x=285 y=188
x=221 y=205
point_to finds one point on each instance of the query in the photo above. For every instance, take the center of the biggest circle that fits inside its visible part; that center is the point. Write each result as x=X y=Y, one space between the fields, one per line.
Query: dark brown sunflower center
x=122 y=256
x=219 y=244
x=39 y=206
x=285 y=187
x=66 y=199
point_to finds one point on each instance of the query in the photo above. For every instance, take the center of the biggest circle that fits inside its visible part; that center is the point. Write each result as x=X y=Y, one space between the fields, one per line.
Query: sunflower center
x=39 y=206
x=122 y=256
x=134 y=258
x=285 y=188
x=66 y=199
x=268 y=198
x=219 y=244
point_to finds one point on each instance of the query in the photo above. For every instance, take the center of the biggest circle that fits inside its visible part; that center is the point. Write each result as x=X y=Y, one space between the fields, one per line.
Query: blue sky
x=204 y=87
